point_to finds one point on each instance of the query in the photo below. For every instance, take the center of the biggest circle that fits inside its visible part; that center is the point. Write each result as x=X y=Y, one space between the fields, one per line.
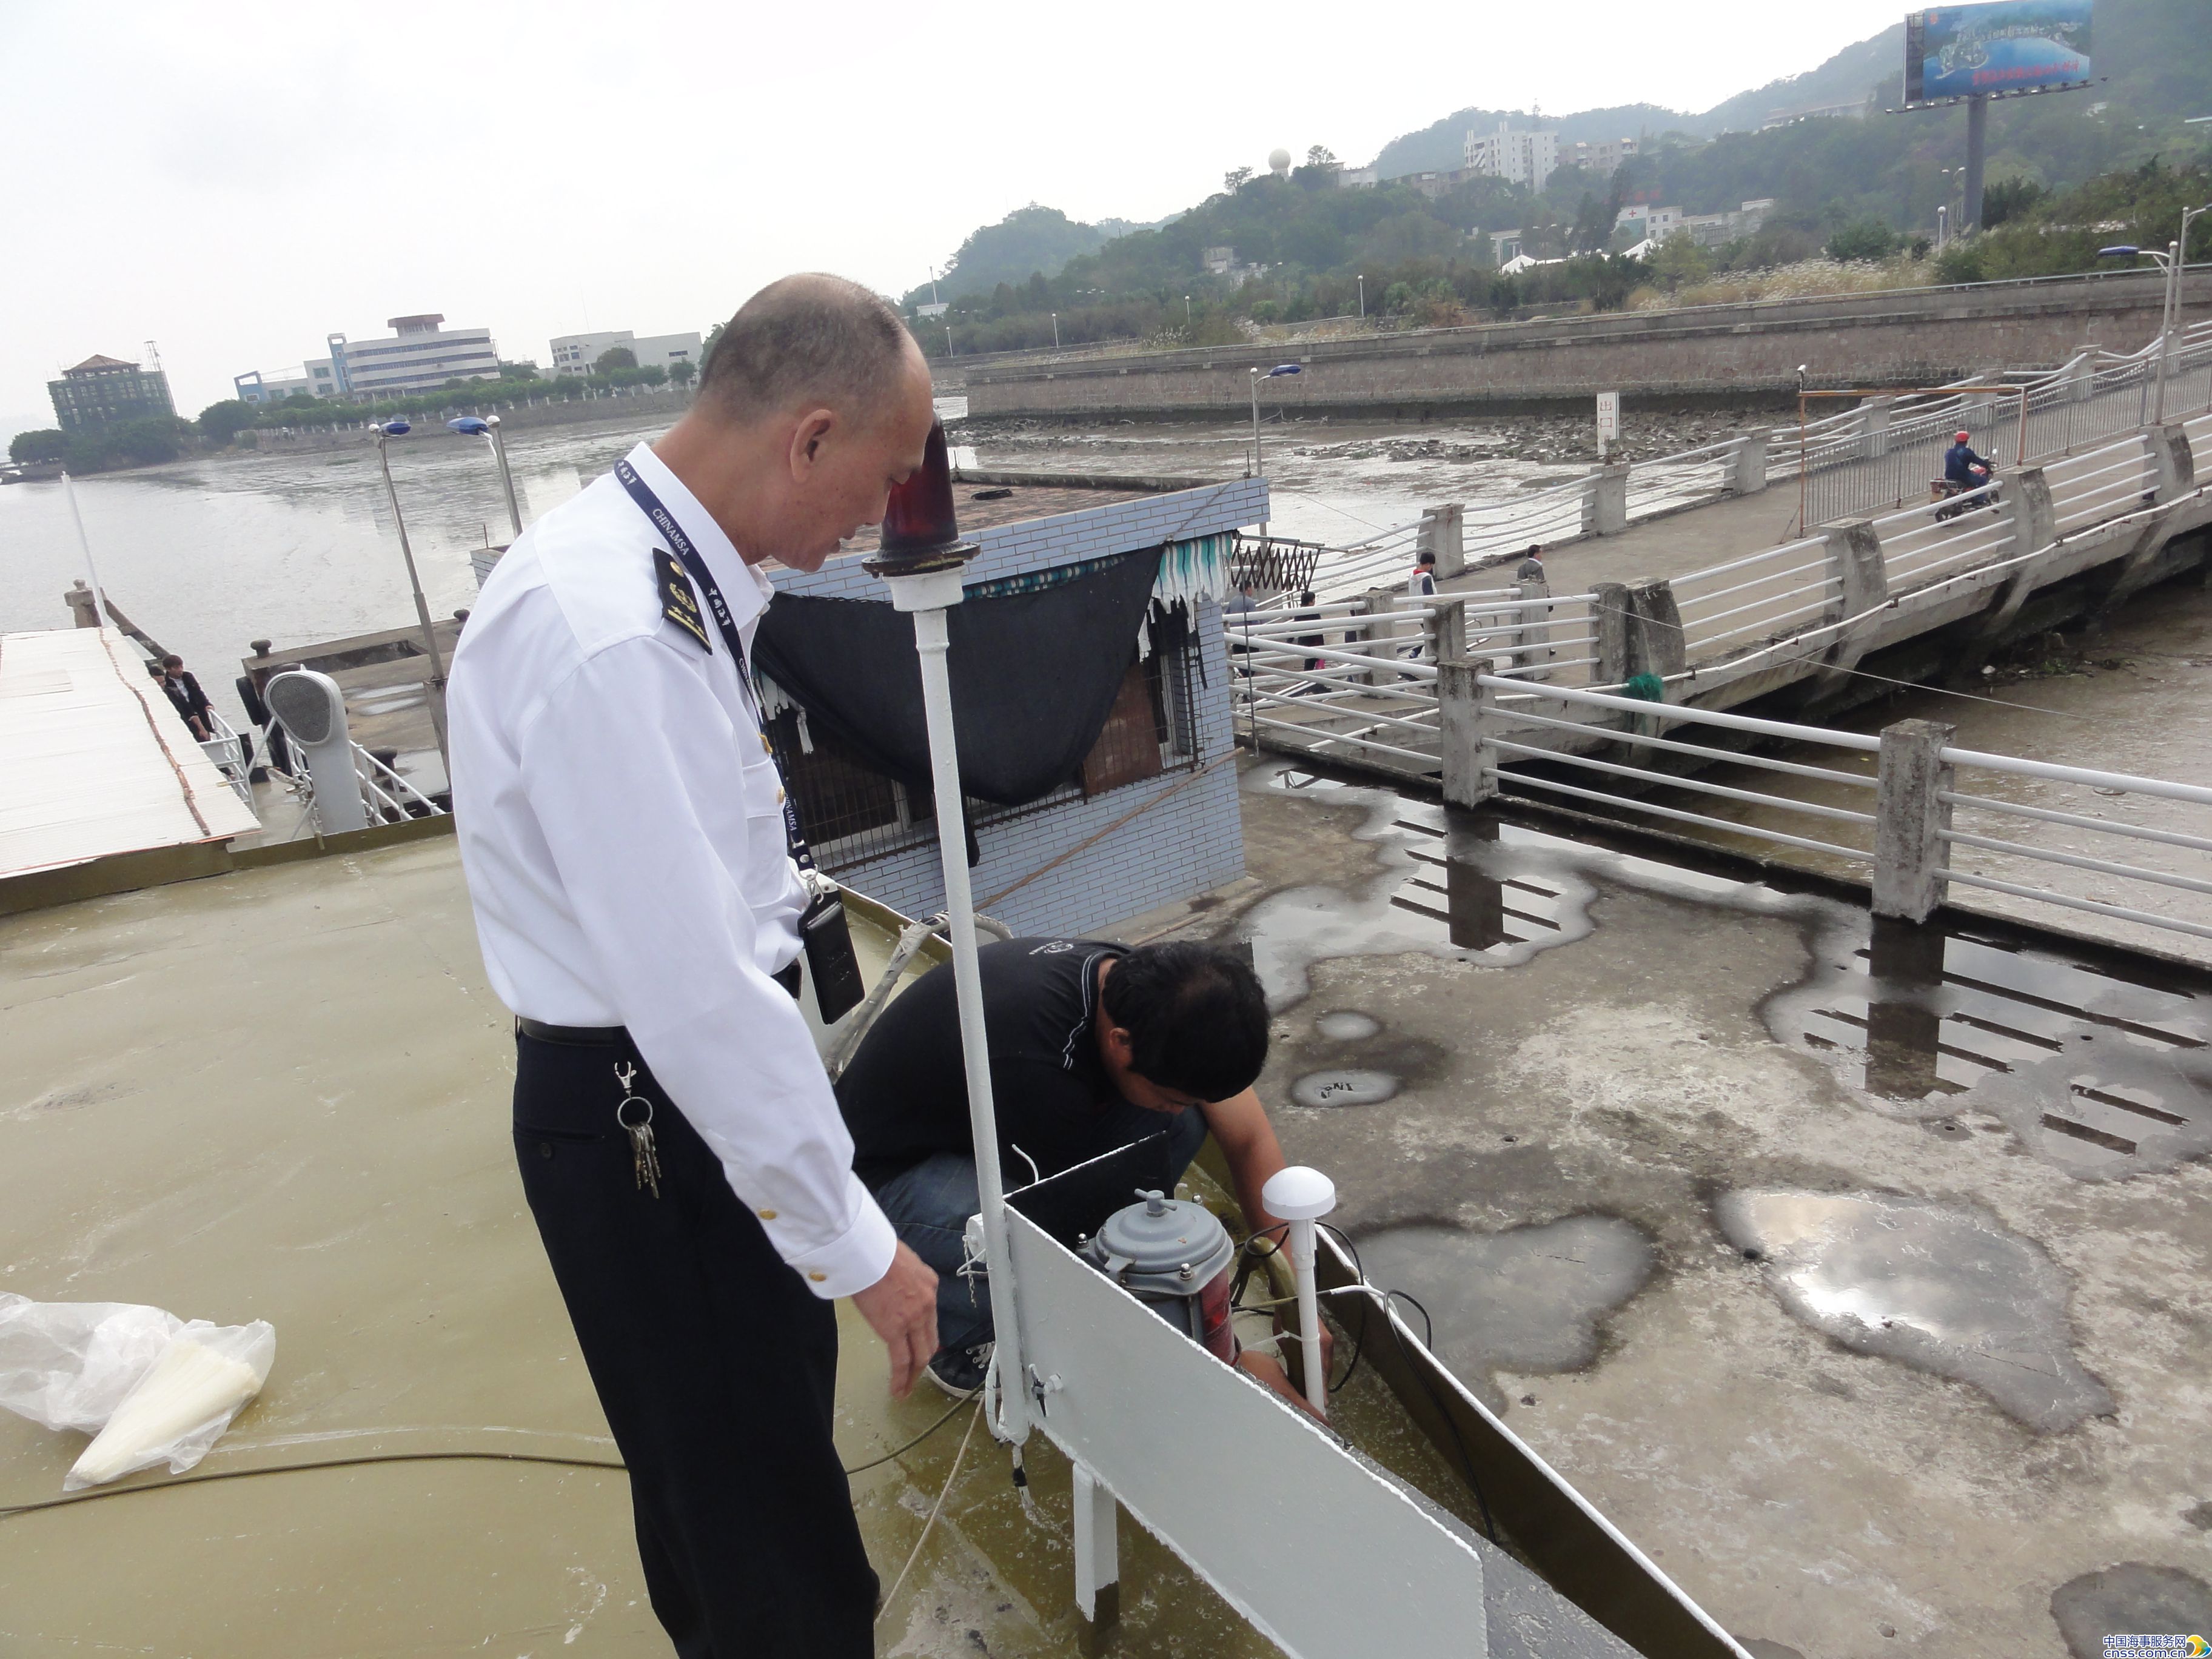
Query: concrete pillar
x=1874 y=426
x=1380 y=631
x=2027 y=495
x=1654 y=630
x=1605 y=509
x=1466 y=723
x=2082 y=373
x=1747 y=464
x=2175 y=463
x=1908 y=819
x=80 y=601
x=1446 y=630
x=1855 y=558
x=1610 y=610
x=1442 y=533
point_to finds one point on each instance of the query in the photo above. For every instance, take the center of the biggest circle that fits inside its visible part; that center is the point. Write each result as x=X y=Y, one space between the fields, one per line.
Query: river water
x=207 y=556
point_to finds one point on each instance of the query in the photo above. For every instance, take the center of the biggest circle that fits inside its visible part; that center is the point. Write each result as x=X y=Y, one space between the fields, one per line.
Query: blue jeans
x=928 y=1206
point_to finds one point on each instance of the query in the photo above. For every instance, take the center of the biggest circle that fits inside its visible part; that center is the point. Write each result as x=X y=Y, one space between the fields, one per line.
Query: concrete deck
x=283 y=1094
x=1551 y=1133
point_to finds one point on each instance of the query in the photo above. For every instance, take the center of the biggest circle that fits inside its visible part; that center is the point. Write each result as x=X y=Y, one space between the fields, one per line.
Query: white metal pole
x=2166 y=325
x=931 y=641
x=1301 y=1196
x=421 y=609
x=506 y=477
x=84 y=542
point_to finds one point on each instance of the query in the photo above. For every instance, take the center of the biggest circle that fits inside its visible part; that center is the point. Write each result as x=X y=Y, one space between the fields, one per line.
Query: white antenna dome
x=1279 y=159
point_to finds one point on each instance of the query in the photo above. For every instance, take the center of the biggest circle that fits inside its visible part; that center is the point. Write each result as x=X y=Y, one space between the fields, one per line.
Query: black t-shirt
x=905 y=1093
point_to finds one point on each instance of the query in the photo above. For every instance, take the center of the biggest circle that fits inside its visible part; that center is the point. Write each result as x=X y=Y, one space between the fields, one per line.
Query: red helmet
x=1962 y=437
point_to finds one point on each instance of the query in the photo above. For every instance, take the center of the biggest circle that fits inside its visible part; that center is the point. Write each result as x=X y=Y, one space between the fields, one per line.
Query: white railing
x=227 y=751
x=391 y=797
x=2163 y=859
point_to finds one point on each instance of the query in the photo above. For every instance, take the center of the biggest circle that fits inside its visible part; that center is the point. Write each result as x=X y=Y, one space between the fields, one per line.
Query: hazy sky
x=236 y=181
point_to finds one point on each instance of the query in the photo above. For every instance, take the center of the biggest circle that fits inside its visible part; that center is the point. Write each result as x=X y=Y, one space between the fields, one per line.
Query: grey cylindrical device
x=311 y=710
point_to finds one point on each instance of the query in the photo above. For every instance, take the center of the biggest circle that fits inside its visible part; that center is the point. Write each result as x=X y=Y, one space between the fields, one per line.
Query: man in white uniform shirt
x=623 y=829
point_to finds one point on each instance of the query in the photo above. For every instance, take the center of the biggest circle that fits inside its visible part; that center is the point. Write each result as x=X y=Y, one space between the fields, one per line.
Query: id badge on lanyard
x=831 y=961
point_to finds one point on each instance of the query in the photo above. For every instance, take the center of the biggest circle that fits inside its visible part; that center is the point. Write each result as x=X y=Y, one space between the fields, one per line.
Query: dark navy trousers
x=716 y=1366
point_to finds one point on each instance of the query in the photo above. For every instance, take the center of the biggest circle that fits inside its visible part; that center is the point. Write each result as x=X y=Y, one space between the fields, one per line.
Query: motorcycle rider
x=1962 y=467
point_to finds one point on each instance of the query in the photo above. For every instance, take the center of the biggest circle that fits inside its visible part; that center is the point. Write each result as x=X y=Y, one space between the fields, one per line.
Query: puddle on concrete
x=1944 y=1290
x=1474 y=891
x=1528 y=1299
x=2104 y=1072
x=1347 y=1026
x=2104 y=1076
x=1346 y=1088
x=2132 y=1599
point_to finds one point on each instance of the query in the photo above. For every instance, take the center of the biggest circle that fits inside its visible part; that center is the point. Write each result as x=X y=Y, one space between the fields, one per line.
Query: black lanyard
x=681 y=544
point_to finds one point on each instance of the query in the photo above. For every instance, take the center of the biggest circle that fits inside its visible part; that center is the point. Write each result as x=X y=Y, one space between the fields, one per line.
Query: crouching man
x=1092 y=1046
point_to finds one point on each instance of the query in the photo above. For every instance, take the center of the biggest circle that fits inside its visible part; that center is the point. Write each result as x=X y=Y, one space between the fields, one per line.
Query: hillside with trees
x=1845 y=189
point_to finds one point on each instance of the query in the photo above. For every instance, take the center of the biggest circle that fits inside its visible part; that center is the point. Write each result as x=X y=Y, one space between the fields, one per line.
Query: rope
x=951 y=1475
x=192 y=803
x=364 y=1458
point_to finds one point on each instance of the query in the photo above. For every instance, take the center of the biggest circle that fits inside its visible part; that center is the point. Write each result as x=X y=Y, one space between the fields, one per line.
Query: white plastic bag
x=149 y=1387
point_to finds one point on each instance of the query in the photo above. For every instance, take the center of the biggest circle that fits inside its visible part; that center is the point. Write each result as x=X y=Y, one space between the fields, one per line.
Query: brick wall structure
x=1732 y=352
x=1188 y=837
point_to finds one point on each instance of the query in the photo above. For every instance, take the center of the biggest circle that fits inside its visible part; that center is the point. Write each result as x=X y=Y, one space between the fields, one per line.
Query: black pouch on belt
x=831 y=961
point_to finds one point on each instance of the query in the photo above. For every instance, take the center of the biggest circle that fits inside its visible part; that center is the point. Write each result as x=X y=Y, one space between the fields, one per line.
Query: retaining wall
x=1913 y=337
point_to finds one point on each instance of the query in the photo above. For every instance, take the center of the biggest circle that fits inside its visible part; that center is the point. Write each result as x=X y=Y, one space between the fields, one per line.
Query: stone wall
x=664 y=404
x=1734 y=352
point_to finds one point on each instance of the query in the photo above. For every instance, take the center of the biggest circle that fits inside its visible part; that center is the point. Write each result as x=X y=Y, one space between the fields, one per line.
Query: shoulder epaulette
x=678 y=603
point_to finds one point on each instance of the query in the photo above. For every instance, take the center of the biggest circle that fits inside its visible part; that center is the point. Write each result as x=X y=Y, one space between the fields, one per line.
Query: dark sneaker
x=960 y=1372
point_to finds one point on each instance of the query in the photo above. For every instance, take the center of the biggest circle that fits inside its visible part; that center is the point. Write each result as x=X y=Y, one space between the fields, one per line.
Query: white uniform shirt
x=622 y=828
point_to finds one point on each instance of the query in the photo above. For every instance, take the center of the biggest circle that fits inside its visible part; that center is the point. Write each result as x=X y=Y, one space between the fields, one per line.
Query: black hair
x=1425 y=556
x=1196 y=1017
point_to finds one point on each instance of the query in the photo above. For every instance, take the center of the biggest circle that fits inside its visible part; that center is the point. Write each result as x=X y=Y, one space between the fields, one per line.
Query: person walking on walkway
x=624 y=832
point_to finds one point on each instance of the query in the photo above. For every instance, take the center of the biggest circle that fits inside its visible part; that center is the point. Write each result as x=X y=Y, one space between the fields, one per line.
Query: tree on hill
x=681 y=371
x=1030 y=240
x=46 y=444
x=612 y=358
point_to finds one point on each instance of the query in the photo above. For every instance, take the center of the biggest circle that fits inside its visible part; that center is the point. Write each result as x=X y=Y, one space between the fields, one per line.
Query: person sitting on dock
x=183 y=689
x=1092 y=1046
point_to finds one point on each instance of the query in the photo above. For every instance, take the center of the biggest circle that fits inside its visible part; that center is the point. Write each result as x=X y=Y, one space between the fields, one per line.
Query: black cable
x=1466 y=1461
x=201 y=1476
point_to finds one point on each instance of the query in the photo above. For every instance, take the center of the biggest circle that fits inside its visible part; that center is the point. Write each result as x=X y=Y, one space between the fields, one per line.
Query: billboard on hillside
x=2001 y=46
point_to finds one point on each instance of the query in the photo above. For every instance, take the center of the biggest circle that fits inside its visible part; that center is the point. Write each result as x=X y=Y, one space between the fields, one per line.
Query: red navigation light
x=918 y=520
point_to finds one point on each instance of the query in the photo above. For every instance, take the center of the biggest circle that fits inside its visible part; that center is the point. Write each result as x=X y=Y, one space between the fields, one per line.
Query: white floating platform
x=95 y=760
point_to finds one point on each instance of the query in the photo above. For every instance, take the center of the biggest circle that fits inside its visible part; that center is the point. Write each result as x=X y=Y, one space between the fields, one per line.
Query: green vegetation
x=46 y=444
x=612 y=358
x=221 y=421
x=1850 y=190
x=2047 y=235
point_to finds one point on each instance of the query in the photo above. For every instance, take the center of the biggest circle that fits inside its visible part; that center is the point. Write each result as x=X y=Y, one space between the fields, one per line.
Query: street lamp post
x=1186 y=307
x=474 y=426
x=948 y=339
x=1258 y=469
x=1055 y=331
x=2173 y=261
x=389 y=429
x=1362 y=280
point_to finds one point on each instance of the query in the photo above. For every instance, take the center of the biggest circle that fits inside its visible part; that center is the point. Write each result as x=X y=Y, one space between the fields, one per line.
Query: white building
x=1520 y=158
x=1602 y=159
x=422 y=355
x=575 y=353
x=1655 y=223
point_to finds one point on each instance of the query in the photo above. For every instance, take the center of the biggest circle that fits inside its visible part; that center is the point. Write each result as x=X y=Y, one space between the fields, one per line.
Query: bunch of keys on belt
x=645 y=1160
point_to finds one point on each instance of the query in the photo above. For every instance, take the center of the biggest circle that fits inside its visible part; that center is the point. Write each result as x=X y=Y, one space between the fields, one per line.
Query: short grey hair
x=811 y=338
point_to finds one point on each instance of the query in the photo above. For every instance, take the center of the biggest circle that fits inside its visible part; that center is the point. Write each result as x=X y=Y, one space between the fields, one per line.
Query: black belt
x=603 y=1036
x=584 y=1036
